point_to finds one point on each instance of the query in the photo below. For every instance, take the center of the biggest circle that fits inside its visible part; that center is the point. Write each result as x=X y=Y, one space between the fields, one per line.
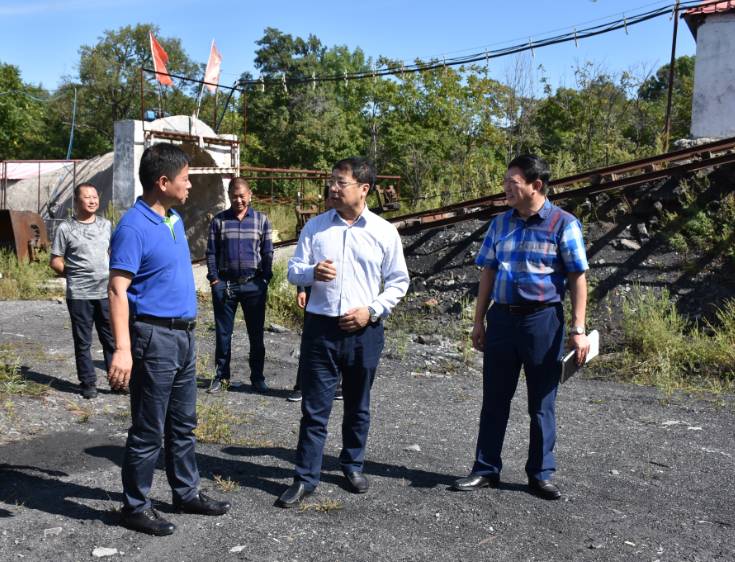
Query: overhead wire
x=574 y=34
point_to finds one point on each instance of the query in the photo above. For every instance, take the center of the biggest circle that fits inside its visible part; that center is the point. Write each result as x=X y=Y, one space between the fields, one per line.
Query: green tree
x=108 y=85
x=652 y=96
x=22 y=110
x=305 y=125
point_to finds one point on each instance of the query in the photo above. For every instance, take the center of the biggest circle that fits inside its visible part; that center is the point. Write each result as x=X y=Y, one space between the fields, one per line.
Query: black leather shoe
x=293 y=495
x=544 y=489
x=358 y=483
x=203 y=505
x=295 y=396
x=147 y=521
x=475 y=482
x=216 y=386
x=88 y=391
x=260 y=386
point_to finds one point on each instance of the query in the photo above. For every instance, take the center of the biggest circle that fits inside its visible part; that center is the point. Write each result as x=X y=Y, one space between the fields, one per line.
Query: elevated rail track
x=592 y=182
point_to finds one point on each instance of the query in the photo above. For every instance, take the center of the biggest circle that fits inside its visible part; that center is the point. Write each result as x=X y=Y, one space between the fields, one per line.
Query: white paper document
x=569 y=362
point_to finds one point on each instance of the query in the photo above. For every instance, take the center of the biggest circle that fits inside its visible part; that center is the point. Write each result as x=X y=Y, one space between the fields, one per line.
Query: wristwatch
x=577 y=330
x=374 y=317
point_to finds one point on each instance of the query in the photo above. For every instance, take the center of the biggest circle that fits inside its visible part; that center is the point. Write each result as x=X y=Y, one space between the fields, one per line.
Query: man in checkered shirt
x=530 y=256
x=240 y=265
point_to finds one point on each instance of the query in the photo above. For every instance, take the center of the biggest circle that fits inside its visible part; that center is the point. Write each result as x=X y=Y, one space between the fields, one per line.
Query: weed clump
x=12 y=381
x=663 y=349
x=215 y=421
x=21 y=280
x=282 y=307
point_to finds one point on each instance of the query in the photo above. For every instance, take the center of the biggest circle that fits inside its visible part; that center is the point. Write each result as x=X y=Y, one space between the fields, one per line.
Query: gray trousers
x=163 y=409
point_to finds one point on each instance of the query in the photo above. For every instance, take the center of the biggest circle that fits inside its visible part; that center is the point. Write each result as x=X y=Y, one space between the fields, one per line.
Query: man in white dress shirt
x=353 y=261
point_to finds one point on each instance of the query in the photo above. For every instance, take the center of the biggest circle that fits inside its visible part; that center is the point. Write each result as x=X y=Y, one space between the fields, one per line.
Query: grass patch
x=83 y=412
x=226 y=485
x=215 y=422
x=665 y=350
x=21 y=280
x=12 y=382
x=282 y=217
x=202 y=366
x=323 y=506
x=703 y=227
x=282 y=307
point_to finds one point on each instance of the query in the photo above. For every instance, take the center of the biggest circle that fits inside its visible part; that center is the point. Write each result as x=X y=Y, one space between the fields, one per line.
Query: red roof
x=695 y=16
x=710 y=7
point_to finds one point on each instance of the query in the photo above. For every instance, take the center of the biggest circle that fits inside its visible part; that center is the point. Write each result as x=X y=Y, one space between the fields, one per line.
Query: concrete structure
x=713 y=103
x=214 y=160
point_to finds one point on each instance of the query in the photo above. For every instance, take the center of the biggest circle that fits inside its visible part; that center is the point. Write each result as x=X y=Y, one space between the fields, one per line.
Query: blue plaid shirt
x=532 y=257
x=239 y=248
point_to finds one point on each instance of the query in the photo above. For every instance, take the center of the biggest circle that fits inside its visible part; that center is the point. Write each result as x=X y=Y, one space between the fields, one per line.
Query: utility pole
x=73 y=124
x=672 y=64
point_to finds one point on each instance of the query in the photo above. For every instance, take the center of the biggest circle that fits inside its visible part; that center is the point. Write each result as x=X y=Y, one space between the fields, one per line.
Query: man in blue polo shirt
x=153 y=314
x=530 y=255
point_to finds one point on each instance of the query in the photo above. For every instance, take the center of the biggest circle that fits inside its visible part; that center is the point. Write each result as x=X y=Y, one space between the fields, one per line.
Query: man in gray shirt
x=80 y=253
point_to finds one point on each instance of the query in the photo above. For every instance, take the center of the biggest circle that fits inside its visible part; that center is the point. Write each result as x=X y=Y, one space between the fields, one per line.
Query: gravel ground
x=643 y=477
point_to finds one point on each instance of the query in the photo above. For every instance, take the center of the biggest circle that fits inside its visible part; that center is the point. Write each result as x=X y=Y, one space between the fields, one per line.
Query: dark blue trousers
x=227 y=296
x=163 y=396
x=326 y=353
x=535 y=342
x=85 y=313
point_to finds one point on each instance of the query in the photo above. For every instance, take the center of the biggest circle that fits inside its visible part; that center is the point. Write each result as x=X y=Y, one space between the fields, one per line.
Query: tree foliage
x=448 y=132
x=22 y=111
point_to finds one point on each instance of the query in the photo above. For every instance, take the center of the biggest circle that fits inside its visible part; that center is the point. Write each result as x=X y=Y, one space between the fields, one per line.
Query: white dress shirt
x=368 y=257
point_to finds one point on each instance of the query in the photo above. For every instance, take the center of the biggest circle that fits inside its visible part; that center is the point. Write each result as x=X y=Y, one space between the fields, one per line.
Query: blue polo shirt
x=156 y=252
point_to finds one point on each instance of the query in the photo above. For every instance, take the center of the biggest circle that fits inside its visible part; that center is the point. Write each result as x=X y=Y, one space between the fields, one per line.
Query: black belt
x=523 y=309
x=242 y=279
x=170 y=323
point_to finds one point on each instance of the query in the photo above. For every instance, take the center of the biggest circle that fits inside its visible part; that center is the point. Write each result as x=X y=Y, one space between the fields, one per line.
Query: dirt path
x=643 y=478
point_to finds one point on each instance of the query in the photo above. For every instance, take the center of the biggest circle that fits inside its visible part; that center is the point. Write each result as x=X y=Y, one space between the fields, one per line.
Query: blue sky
x=42 y=37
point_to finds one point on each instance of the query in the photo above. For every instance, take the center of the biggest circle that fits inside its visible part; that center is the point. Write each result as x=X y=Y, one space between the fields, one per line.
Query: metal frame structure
x=606 y=179
x=234 y=145
x=4 y=177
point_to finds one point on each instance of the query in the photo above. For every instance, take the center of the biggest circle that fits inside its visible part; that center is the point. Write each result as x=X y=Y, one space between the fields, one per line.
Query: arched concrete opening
x=206 y=198
x=213 y=158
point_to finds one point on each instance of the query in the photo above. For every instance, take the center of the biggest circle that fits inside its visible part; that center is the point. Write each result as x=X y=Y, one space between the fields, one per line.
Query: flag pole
x=201 y=86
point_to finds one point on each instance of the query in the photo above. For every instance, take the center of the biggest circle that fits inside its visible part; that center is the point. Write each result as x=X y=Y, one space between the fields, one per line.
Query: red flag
x=160 y=58
x=213 y=66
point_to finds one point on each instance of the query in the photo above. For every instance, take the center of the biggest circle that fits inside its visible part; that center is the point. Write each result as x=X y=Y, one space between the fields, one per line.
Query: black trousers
x=252 y=296
x=84 y=314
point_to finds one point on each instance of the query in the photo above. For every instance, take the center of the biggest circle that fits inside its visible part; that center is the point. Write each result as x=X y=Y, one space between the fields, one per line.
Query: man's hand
x=582 y=345
x=325 y=271
x=213 y=282
x=301 y=299
x=354 y=319
x=478 y=336
x=120 y=367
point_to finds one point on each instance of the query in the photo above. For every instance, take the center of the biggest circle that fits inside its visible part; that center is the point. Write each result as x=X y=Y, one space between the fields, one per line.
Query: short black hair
x=533 y=168
x=361 y=168
x=238 y=182
x=79 y=186
x=161 y=159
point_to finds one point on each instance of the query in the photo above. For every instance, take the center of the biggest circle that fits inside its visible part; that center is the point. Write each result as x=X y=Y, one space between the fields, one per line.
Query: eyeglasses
x=341 y=184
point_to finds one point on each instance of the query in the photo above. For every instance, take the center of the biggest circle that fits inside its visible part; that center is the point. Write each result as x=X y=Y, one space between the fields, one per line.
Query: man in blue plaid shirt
x=240 y=265
x=530 y=256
